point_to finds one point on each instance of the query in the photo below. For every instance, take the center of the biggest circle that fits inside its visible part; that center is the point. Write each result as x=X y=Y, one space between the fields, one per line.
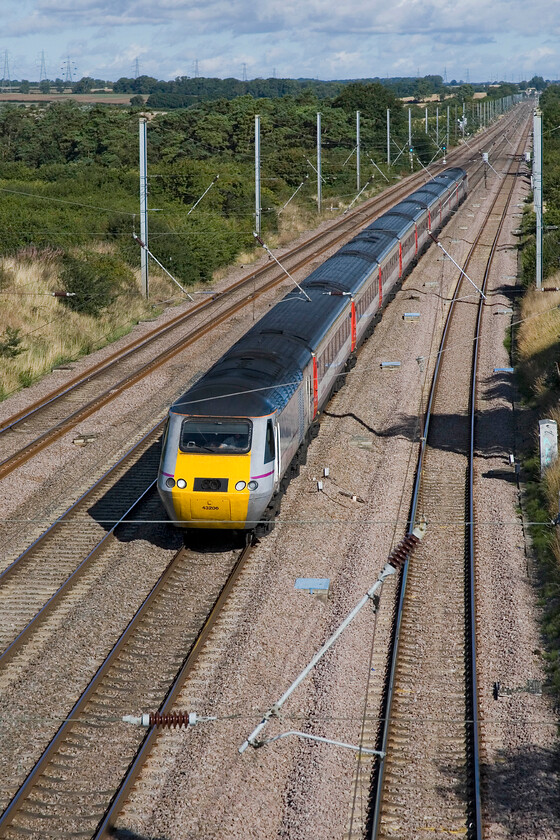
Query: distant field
x=113 y=98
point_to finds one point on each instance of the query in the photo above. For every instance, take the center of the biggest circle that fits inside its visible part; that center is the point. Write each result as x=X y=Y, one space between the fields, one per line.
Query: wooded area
x=69 y=172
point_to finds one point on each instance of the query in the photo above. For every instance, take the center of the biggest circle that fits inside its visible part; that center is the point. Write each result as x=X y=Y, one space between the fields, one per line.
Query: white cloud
x=296 y=37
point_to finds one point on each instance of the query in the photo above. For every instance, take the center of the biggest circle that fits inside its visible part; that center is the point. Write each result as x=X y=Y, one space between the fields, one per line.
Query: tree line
x=69 y=172
x=185 y=91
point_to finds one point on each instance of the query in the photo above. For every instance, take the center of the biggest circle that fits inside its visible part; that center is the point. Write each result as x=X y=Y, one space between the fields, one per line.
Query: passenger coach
x=232 y=437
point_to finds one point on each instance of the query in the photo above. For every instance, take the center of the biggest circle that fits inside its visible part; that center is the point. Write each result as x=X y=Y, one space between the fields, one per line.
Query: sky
x=106 y=39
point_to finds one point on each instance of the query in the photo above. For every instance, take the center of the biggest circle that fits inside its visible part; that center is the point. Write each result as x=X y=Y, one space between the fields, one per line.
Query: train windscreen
x=218 y=435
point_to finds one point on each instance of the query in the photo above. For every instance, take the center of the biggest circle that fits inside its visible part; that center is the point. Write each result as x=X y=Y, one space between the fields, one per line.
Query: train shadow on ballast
x=150 y=521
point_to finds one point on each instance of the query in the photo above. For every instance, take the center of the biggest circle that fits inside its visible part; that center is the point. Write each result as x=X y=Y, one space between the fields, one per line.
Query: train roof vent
x=391 y=232
x=371 y=234
x=325 y=283
x=258 y=360
x=359 y=252
x=299 y=339
x=394 y=213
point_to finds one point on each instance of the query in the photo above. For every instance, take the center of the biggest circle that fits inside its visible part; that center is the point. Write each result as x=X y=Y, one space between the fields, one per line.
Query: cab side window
x=269 y=450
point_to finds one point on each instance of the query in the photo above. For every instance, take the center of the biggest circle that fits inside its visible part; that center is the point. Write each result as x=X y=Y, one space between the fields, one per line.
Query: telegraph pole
x=257 y=173
x=143 y=209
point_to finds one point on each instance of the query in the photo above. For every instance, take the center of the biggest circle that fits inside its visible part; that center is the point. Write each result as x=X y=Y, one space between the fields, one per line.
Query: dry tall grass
x=538 y=357
x=49 y=332
x=538 y=342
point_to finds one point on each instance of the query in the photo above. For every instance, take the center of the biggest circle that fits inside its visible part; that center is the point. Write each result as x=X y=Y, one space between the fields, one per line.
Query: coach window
x=269 y=443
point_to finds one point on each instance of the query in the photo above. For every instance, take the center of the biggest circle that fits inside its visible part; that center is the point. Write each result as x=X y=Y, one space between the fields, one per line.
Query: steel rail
x=27 y=556
x=105 y=829
x=8 y=815
x=56 y=597
x=377 y=807
x=28 y=451
x=18 y=801
x=375 y=205
x=471 y=529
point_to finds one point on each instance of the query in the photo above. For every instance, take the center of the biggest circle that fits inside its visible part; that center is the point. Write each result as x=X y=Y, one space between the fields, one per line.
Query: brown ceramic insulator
x=169 y=720
x=401 y=552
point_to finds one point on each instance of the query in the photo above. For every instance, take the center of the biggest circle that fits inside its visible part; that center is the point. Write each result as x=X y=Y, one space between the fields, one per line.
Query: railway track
x=34 y=584
x=429 y=780
x=62 y=794
x=39 y=820
x=106 y=828
x=29 y=431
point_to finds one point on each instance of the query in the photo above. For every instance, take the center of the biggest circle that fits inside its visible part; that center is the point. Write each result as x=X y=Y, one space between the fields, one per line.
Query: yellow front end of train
x=205 y=471
x=205 y=494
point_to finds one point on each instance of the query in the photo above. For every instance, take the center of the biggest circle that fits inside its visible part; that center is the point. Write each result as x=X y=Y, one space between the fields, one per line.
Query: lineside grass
x=537 y=349
x=538 y=345
x=39 y=331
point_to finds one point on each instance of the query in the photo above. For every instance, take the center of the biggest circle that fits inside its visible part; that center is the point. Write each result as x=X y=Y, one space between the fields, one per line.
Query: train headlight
x=240 y=485
x=170 y=482
x=253 y=485
x=181 y=483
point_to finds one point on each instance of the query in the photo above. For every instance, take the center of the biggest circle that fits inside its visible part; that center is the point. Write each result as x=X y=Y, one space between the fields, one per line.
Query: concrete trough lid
x=313 y=585
x=389 y=365
x=84 y=439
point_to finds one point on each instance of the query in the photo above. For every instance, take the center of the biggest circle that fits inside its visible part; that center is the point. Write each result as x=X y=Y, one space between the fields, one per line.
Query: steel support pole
x=388 y=137
x=319 y=176
x=357 y=151
x=537 y=192
x=143 y=209
x=410 y=139
x=257 y=173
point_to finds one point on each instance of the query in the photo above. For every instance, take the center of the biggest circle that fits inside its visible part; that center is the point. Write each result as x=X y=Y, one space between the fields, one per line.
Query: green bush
x=94 y=281
x=10 y=344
